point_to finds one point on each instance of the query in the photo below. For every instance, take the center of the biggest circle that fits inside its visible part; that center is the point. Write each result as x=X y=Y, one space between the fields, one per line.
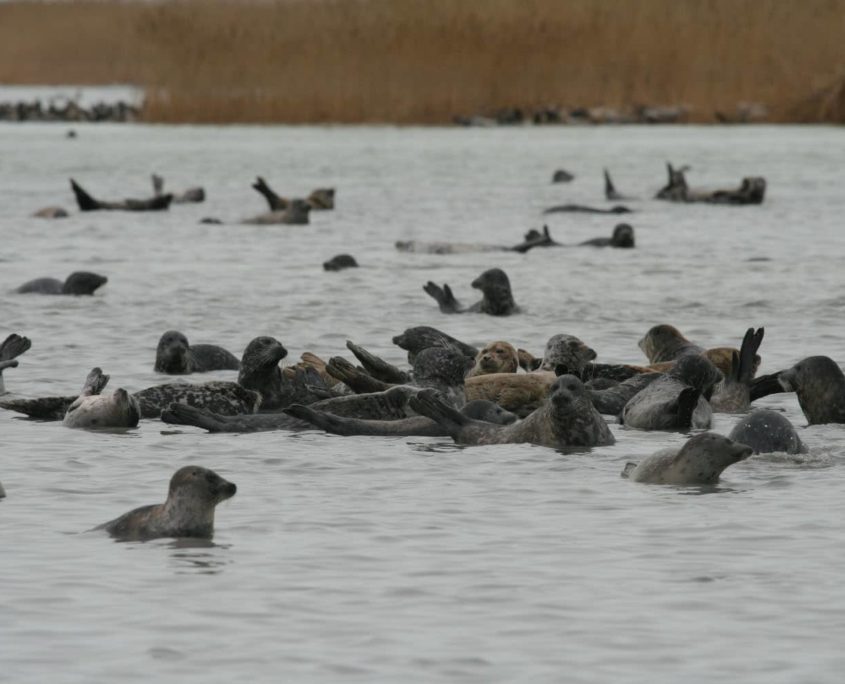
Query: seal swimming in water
x=340 y=262
x=87 y=203
x=188 y=511
x=414 y=340
x=562 y=176
x=295 y=214
x=751 y=190
x=320 y=199
x=676 y=400
x=13 y=346
x=191 y=195
x=496 y=357
x=818 y=382
x=699 y=461
x=174 y=356
x=92 y=410
x=51 y=213
x=623 y=236
x=733 y=393
x=766 y=432
x=582 y=209
x=610 y=192
x=227 y=398
x=77 y=283
x=497 y=298
x=565 y=419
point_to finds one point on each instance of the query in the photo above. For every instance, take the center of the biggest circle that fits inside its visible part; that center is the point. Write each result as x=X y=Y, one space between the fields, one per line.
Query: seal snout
x=742 y=451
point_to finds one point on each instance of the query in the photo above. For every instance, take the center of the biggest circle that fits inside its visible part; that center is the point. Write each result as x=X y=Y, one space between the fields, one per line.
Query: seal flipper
x=378 y=368
x=182 y=414
x=444 y=297
x=328 y=421
x=765 y=385
x=685 y=405
x=427 y=403
x=609 y=189
x=13 y=346
x=46 y=408
x=158 y=185
x=744 y=372
x=359 y=381
x=276 y=203
x=83 y=199
x=628 y=469
x=95 y=383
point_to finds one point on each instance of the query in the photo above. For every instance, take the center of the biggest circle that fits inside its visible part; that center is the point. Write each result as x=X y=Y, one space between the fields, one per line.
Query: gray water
x=408 y=559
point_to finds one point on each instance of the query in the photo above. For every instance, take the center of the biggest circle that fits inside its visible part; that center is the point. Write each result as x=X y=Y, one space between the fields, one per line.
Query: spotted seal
x=818 y=382
x=497 y=297
x=675 y=400
x=733 y=393
x=496 y=357
x=623 y=236
x=228 y=398
x=565 y=419
x=175 y=356
x=13 y=346
x=767 y=431
x=414 y=340
x=77 y=283
x=700 y=461
x=340 y=262
x=92 y=410
x=87 y=203
x=188 y=512
x=191 y=195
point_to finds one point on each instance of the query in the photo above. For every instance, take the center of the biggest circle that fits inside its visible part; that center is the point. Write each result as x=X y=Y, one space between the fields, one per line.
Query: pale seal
x=699 y=461
x=87 y=203
x=13 y=346
x=51 y=213
x=767 y=431
x=188 y=511
x=175 y=356
x=77 y=283
x=92 y=410
x=191 y=195
x=818 y=382
x=497 y=296
x=496 y=357
x=565 y=419
x=55 y=408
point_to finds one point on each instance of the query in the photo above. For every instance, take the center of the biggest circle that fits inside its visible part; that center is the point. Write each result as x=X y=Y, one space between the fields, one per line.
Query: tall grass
x=423 y=61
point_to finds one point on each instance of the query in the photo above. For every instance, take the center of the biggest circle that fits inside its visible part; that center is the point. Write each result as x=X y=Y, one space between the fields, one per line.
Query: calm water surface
x=386 y=560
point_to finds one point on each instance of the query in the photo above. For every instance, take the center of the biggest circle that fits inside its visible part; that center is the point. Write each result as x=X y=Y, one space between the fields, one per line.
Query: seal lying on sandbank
x=699 y=461
x=566 y=418
x=339 y=262
x=77 y=283
x=766 y=432
x=494 y=285
x=92 y=410
x=819 y=383
x=13 y=346
x=188 y=511
x=752 y=190
x=174 y=356
x=191 y=195
x=320 y=199
x=87 y=203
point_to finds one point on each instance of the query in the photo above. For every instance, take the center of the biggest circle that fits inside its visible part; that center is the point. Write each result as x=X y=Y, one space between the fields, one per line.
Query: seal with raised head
x=733 y=393
x=766 y=432
x=260 y=372
x=13 y=346
x=818 y=382
x=497 y=296
x=92 y=410
x=188 y=512
x=623 y=236
x=340 y=262
x=414 y=340
x=496 y=357
x=565 y=419
x=700 y=461
x=664 y=343
x=676 y=400
x=175 y=356
x=77 y=283
x=87 y=203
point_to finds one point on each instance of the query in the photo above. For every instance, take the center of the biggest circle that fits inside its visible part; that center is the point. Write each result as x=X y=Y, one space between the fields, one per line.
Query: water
x=384 y=560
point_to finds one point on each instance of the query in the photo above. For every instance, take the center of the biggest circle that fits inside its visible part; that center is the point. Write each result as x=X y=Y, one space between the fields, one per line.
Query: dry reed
x=424 y=61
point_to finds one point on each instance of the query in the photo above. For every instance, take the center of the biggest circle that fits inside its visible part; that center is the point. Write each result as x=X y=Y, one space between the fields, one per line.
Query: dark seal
x=766 y=432
x=175 y=356
x=87 y=203
x=496 y=290
x=188 y=512
x=77 y=283
x=623 y=236
x=819 y=383
x=340 y=262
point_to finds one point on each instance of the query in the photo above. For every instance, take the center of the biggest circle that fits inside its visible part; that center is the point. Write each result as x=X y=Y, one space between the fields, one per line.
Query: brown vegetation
x=423 y=61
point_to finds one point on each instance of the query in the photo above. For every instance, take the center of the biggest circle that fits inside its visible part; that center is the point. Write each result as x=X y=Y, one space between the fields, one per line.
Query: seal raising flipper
x=610 y=190
x=55 y=408
x=191 y=195
x=92 y=410
x=443 y=296
x=357 y=380
x=87 y=203
x=13 y=346
x=733 y=394
x=497 y=297
x=377 y=367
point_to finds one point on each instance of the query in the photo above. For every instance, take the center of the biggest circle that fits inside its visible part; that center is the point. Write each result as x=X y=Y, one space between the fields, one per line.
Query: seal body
x=752 y=190
x=227 y=398
x=116 y=410
x=414 y=340
x=296 y=214
x=767 y=431
x=175 y=356
x=340 y=262
x=497 y=296
x=700 y=461
x=623 y=236
x=520 y=393
x=496 y=357
x=611 y=400
x=568 y=352
x=51 y=213
x=583 y=209
x=188 y=512
x=77 y=283
x=87 y=203
x=260 y=372
x=820 y=386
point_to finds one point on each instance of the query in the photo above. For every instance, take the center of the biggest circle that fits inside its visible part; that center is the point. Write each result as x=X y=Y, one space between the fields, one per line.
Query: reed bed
x=425 y=61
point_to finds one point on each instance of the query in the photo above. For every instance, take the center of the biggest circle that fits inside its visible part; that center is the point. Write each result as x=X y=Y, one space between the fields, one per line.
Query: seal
x=320 y=199
x=377 y=367
x=676 y=400
x=664 y=343
x=227 y=398
x=565 y=419
x=818 y=382
x=296 y=214
x=583 y=209
x=610 y=192
x=700 y=461
x=414 y=340
x=260 y=372
x=416 y=426
x=13 y=346
x=188 y=512
x=733 y=393
x=174 y=356
x=766 y=432
x=51 y=213
x=562 y=176
x=496 y=289
x=496 y=357
x=92 y=410
x=182 y=414
x=752 y=190
x=340 y=262
x=567 y=351
x=623 y=236
x=534 y=238
x=2 y=491
x=55 y=408
x=611 y=400
x=87 y=203
x=77 y=283
x=191 y=195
